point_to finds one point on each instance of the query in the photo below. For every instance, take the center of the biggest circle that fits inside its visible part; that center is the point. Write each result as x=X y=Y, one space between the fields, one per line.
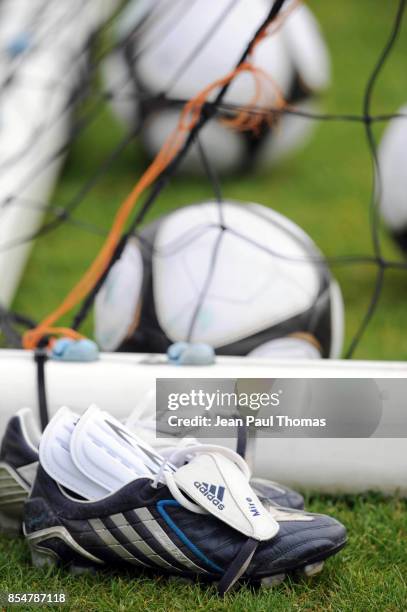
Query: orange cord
x=248 y=120
x=190 y=116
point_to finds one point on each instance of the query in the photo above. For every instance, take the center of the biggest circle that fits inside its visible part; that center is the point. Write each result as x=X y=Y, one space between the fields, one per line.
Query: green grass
x=325 y=189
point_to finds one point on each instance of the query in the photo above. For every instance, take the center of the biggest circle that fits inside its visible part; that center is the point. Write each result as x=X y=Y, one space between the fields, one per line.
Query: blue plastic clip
x=184 y=353
x=66 y=349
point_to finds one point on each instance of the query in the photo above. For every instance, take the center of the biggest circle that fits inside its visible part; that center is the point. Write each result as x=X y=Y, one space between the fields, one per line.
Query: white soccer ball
x=180 y=48
x=239 y=277
x=391 y=189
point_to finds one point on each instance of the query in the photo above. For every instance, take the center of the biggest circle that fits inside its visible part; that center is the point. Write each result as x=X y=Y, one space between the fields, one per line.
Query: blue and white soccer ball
x=180 y=48
x=238 y=277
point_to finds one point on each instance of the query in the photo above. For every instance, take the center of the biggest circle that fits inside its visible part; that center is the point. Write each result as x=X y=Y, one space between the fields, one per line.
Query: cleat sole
x=79 y=570
x=272 y=581
x=180 y=579
x=42 y=559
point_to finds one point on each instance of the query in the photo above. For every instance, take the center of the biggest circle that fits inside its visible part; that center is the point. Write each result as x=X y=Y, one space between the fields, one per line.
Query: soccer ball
x=180 y=48
x=239 y=277
x=392 y=187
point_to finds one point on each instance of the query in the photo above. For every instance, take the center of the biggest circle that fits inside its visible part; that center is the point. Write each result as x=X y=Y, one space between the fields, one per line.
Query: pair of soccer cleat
x=91 y=493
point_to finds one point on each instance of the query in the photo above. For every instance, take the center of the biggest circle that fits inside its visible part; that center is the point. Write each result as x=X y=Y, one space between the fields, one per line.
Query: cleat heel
x=313 y=569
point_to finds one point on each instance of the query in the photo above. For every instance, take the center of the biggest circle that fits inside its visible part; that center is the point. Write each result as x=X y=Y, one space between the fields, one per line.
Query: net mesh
x=102 y=170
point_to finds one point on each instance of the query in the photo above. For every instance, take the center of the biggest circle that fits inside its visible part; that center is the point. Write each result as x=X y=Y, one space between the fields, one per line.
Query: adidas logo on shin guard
x=213 y=493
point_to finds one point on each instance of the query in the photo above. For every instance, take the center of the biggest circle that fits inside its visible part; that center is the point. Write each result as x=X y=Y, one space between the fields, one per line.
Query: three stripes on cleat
x=13 y=493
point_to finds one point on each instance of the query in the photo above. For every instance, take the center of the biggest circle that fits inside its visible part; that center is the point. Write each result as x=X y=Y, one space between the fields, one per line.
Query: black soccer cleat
x=200 y=520
x=148 y=528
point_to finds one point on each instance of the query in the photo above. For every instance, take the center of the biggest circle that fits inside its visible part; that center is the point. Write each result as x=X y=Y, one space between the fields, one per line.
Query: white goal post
x=118 y=383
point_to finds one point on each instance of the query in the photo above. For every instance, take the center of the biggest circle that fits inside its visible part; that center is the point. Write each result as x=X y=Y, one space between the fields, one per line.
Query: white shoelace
x=180 y=455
